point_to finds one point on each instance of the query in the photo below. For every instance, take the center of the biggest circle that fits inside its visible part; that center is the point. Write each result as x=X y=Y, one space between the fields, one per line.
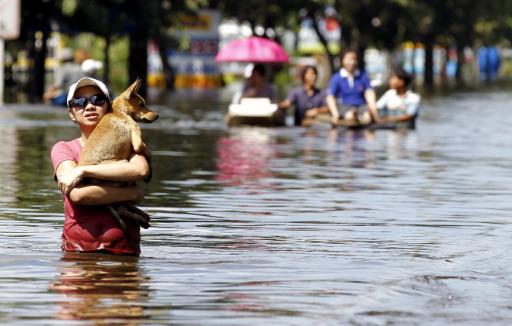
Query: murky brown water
x=276 y=226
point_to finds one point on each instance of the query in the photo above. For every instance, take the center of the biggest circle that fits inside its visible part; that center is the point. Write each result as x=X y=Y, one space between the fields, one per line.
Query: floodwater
x=285 y=226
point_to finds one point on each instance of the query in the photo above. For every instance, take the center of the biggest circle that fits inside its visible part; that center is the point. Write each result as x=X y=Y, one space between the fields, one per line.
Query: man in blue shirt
x=351 y=90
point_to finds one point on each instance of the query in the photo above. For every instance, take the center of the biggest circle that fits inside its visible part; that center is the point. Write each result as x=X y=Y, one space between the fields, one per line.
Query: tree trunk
x=346 y=38
x=361 y=48
x=106 y=61
x=413 y=60
x=40 y=50
x=346 y=29
x=460 y=63
x=429 y=62
x=443 y=73
x=168 y=71
x=138 y=60
x=324 y=42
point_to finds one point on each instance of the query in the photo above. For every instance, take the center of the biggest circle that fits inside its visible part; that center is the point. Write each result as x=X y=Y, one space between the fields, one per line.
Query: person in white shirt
x=399 y=104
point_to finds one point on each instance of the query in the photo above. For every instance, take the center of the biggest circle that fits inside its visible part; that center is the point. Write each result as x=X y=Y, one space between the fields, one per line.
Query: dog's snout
x=149 y=117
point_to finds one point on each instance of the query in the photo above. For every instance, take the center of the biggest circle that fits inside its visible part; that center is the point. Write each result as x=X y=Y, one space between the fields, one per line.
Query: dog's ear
x=133 y=89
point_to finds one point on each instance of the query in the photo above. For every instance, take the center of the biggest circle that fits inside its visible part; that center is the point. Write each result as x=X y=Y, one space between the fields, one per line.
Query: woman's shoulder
x=68 y=144
x=71 y=147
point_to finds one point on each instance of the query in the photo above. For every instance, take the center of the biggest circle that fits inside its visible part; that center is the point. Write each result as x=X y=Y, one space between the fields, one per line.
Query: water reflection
x=102 y=288
x=8 y=157
x=400 y=143
x=245 y=155
x=357 y=151
x=286 y=226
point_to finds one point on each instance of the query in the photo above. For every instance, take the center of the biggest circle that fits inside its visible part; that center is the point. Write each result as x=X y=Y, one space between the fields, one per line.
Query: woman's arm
x=316 y=111
x=285 y=104
x=69 y=174
x=104 y=195
x=136 y=169
x=95 y=194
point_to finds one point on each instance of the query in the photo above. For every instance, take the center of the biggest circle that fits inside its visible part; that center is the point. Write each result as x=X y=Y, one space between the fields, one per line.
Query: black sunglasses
x=80 y=103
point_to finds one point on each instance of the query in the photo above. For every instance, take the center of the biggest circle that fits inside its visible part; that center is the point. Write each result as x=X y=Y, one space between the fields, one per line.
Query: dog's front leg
x=138 y=145
x=132 y=212
x=116 y=215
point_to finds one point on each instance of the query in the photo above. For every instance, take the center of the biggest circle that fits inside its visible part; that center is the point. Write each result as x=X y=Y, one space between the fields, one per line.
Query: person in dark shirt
x=257 y=85
x=308 y=100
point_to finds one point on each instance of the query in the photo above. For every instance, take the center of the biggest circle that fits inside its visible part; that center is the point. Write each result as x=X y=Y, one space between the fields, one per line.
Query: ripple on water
x=282 y=226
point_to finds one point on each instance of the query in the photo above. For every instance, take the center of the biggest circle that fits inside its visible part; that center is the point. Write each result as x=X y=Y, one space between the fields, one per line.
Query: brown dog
x=117 y=137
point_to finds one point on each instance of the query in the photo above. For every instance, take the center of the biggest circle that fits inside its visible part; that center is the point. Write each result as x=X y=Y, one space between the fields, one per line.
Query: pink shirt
x=91 y=228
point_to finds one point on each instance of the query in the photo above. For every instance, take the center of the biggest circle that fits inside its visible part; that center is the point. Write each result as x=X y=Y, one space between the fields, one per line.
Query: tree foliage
x=139 y=20
x=384 y=24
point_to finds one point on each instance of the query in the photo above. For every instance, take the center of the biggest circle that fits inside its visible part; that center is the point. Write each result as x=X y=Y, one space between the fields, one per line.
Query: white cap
x=87 y=81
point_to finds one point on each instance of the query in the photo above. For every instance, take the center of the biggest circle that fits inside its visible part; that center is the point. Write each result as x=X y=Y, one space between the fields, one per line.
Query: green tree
x=140 y=20
x=37 y=18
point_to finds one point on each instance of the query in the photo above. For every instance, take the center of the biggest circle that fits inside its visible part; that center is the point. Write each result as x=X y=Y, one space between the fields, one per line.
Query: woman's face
x=89 y=114
x=310 y=77
x=350 y=62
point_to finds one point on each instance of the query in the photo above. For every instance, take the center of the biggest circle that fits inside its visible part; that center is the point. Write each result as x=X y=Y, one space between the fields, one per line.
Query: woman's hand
x=98 y=194
x=311 y=113
x=136 y=169
x=69 y=179
x=284 y=104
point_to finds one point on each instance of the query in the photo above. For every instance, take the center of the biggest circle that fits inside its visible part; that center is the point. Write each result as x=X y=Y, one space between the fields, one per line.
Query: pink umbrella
x=253 y=49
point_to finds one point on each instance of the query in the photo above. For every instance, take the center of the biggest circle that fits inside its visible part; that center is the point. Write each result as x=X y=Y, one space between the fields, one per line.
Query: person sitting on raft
x=308 y=100
x=399 y=104
x=256 y=86
x=350 y=92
